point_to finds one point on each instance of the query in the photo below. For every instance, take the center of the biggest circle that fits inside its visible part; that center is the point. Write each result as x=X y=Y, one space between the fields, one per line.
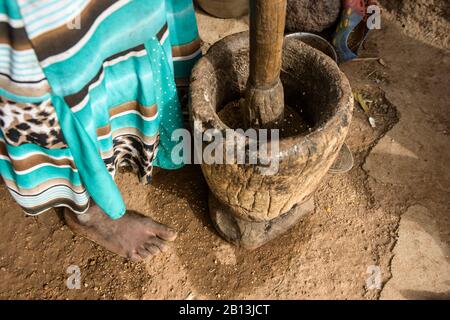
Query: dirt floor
x=388 y=218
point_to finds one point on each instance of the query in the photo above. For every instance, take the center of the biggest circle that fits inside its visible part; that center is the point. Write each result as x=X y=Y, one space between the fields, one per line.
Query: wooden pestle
x=264 y=96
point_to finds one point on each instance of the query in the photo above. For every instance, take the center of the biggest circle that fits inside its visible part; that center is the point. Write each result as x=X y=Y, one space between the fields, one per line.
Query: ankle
x=84 y=219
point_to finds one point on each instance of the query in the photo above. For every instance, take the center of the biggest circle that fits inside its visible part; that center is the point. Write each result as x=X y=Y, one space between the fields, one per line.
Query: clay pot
x=247 y=207
x=225 y=8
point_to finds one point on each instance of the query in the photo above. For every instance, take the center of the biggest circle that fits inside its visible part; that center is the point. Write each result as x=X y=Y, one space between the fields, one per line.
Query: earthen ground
x=391 y=213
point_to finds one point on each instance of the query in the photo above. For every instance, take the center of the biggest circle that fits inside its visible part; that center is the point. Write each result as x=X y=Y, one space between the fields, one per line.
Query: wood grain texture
x=267 y=21
x=264 y=95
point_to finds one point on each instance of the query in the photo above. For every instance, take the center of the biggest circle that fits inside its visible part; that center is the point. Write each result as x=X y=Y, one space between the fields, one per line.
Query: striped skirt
x=87 y=86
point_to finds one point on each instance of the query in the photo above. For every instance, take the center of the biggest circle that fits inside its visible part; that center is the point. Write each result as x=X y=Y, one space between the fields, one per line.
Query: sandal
x=352 y=29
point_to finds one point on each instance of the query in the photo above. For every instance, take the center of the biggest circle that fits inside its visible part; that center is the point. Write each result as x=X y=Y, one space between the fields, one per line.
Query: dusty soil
x=390 y=213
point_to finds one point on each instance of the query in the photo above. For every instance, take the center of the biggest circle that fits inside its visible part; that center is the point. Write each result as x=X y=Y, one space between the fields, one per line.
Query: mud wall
x=427 y=20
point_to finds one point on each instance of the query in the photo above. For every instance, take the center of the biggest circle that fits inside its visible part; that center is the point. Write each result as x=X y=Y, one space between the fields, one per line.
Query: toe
x=160 y=244
x=152 y=248
x=160 y=230
x=134 y=256
x=143 y=252
x=165 y=233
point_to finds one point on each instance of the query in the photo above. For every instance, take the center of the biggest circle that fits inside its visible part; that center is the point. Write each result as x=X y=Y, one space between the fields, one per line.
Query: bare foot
x=133 y=236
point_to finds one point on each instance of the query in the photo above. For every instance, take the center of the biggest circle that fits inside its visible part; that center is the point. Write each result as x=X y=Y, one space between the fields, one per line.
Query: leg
x=133 y=236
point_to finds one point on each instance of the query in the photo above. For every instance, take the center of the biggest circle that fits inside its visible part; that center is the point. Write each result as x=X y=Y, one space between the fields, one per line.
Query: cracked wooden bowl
x=247 y=206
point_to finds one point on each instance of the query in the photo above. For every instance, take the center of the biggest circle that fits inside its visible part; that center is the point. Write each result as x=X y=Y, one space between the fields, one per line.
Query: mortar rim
x=293 y=145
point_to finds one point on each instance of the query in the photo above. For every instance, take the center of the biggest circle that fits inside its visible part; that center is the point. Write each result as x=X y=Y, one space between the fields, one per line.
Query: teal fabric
x=132 y=53
x=90 y=165
x=166 y=97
